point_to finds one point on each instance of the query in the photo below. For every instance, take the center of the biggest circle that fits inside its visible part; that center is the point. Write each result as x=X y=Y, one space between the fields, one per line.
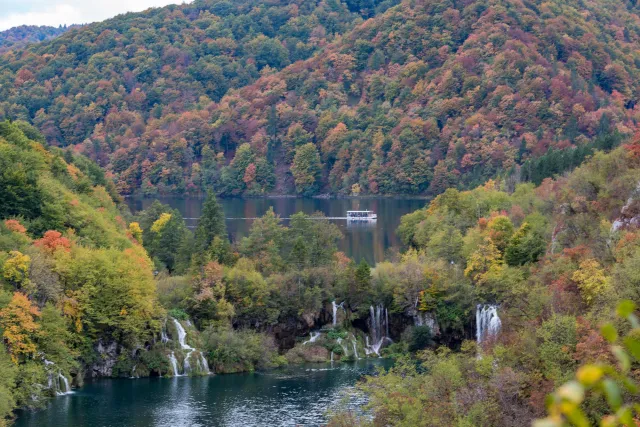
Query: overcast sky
x=61 y=12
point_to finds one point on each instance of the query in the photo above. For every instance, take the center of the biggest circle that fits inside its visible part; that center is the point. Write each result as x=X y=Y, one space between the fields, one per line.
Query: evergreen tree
x=210 y=225
x=363 y=276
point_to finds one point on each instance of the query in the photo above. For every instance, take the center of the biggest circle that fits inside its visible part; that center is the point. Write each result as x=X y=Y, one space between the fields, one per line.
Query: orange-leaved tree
x=18 y=322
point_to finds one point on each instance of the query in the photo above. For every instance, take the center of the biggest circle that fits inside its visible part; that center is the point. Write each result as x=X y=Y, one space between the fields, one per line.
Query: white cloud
x=67 y=12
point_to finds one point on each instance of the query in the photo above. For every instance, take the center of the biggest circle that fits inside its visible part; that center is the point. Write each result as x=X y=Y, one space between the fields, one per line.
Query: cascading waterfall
x=379 y=327
x=164 y=338
x=488 y=322
x=65 y=382
x=56 y=380
x=174 y=364
x=313 y=336
x=204 y=364
x=186 y=368
x=345 y=349
x=335 y=307
x=355 y=348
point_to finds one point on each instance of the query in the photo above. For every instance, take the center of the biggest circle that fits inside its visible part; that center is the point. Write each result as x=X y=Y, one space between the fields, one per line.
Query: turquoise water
x=297 y=395
x=370 y=241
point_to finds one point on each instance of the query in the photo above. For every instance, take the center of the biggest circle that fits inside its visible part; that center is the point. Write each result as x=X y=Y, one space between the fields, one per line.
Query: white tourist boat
x=361 y=216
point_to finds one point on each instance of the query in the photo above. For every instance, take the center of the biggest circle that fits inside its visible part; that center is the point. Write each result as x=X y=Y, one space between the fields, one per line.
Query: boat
x=361 y=216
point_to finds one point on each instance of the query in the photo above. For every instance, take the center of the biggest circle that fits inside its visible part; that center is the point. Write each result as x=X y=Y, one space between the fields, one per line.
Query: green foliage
x=238 y=351
x=614 y=382
x=210 y=225
x=166 y=237
x=421 y=338
x=525 y=246
x=558 y=342
x=177 y=313
x=8 y=374
x=306 y=169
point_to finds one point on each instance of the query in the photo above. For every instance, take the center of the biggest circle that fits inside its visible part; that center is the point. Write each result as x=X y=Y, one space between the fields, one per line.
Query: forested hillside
x=136 y=92
x=78 y=295
x=72 y=276
x=436 y=94
x=18 y=37
x=418 y=98
x=558 y=266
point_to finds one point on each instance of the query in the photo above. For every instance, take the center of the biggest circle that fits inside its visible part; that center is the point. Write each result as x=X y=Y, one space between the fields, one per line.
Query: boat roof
x=359 y=211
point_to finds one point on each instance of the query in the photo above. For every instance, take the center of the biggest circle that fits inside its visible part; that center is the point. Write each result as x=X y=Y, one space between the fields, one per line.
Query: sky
x=61 y=12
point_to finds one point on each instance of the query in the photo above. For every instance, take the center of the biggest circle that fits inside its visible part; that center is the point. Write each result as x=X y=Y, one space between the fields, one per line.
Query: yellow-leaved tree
x=18 y=322
x=591 y=280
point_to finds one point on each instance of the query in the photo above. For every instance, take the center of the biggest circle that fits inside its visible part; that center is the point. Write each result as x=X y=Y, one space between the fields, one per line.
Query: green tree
x=8 y=373
x=210 y=224
x=306 y=169
x=363 y=276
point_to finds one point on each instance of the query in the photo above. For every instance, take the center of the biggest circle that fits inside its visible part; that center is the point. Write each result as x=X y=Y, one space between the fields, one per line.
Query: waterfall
x=174 y=364
x=66 y=389
x=488 y=323
x=332 y=357
x=335 y=307
x=201 y=361
x=355 y=348
x=345 y=349
x=313 y=336
x=182 y=335
x=205 y=364
x=164 y=338
x=56 y=381
x=379 y=327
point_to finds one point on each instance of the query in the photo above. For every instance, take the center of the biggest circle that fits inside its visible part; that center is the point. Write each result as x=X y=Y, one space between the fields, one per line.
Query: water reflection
x=370 y=241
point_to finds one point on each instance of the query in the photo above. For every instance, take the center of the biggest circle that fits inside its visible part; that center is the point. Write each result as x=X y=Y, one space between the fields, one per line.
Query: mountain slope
x=433 y=94
x=423 y=96
x=131 y=77
x=18 y=37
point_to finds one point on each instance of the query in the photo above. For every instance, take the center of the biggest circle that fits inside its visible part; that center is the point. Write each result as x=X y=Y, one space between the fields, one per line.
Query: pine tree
x=210 y=225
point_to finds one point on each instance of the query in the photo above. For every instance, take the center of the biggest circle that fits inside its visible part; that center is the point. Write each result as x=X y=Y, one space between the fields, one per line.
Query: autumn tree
x=306 y=169
x=18 y=320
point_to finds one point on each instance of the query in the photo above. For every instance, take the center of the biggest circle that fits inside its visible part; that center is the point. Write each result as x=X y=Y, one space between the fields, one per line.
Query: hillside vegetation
x=140 y=88
x=556 y=260
x=71 y=277
x=420 y=97
x=18 y=37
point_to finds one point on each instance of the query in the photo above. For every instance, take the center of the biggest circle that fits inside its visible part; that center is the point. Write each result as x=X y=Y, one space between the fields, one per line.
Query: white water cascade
x=488 y=322
x=355 y=348
x=56 y=381
x=342 y=344
x=174 y=364
x=379 y=327
x=335 y=307
x=313 y=337
x=65 y=388
x=164 y=338
x=201 y=361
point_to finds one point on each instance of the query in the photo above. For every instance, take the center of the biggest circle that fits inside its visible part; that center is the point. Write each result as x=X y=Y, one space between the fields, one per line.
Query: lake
x=296 y=395
x=370 y=241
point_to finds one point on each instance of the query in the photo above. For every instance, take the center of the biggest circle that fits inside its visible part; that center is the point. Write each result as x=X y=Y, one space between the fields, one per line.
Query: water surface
x=369 y=241
x=296 y=395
